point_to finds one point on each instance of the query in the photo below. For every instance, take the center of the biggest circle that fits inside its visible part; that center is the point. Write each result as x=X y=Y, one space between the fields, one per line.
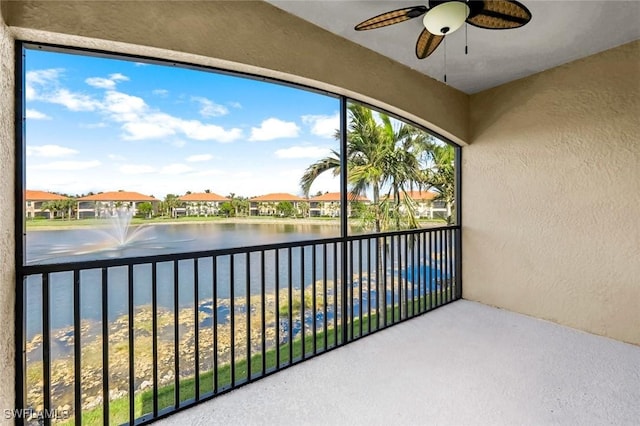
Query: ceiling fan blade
x=427 y=43
x=498 y=14
x=390 y=18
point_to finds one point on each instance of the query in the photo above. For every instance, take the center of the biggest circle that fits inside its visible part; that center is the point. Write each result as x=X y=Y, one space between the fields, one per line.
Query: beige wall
x=258 y=36
x=551 y=195
x=7 y=238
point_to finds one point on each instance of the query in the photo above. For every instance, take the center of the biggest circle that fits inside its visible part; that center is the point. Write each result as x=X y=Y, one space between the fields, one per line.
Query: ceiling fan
x=442 y=17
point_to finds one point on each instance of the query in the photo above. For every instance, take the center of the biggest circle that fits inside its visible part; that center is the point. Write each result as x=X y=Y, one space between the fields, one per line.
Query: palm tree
x=379 y=155
x=440 y=175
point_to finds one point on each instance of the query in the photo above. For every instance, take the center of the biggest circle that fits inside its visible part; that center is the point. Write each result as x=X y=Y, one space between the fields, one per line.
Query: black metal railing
x=129 y=340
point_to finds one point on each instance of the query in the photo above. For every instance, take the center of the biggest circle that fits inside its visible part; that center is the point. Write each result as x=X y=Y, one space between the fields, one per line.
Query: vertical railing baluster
x=368 y=285
x=263 y=302
x=247 y=306
x=448 y=260
x=46 y=346
x=77 y=345
x=425 y=278
x=444 y=265
x=277 y=313
x=335 y=294
x=451 y=264
x=418 y=265
x=406 y=276
x=313 y=298
x=303 y=308
x=214 y=306
x=154 y=334
x=443 y=257
x=176 y=335
x=415 y=260
x=458 y=264
x=105 y=348
x=384 y=277
x=441 y=267
x=360 y=306
x=350 y=281
x=132 y=372
x=232 y=318
x=378 y=258
x=393 y=283
x=431 y=270
x=196 y=325
x=324 y=295
x=290 y=297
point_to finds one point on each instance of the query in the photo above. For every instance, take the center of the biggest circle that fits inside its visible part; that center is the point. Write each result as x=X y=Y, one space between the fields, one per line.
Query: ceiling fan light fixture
x=446 y=17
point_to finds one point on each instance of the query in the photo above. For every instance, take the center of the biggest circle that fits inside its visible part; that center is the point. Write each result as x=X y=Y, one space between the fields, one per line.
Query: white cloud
x=273 y=128
x=312 y=152
x=72 y=101
x=49 y=151
x=160 y=92
x=139 y=120
x=116 y=157
x=118 y=77
x=106 y=83
x=136 y=131
x=123 y=107
x=199 y=157
x=322 y=125
x=234 y=104
x=194 y=129
x=176 y=169
x=67 y=165
x=36 y=115
x=34 y=80
x=101 y=83
x=208 y=108
x=136 y=169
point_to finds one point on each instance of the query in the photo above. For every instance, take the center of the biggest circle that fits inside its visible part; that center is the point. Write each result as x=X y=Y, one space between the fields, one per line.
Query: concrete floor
x=463 y=364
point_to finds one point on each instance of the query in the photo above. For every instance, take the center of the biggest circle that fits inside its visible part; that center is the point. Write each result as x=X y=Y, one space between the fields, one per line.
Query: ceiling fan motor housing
x=444 y=17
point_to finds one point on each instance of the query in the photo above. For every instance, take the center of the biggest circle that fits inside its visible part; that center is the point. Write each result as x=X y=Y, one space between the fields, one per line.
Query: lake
x=68 y=245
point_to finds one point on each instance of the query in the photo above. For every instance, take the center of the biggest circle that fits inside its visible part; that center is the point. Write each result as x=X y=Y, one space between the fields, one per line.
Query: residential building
x=200 y=204
x=328 y=204
x=426 y=204
x=34 y=201
x=106 y=204
x=267 y=205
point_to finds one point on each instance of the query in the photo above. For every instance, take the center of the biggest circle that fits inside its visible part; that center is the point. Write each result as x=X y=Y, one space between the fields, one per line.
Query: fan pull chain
x=466 y=44
x=445 y=59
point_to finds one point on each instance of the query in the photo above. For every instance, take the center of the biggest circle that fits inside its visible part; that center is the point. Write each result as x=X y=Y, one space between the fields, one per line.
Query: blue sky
x=96 y=124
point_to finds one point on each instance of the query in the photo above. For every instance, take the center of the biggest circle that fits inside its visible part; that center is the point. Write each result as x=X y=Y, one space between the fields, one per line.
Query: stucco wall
x=251 y=36
x=551 y=195
x=7 y=269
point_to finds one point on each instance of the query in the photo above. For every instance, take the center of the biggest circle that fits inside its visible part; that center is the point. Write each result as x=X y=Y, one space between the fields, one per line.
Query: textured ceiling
x=559 y=32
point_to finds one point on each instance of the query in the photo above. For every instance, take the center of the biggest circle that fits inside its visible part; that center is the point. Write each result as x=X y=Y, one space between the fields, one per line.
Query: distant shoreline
x=57 y=224
x=47 y=225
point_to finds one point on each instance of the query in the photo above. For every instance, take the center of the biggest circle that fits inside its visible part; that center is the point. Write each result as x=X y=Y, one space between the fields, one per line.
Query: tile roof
x=278 y=196
x=414 y=195
x=203 y=196
x=421 y=195
x=335 y=196
x=118 y=196
x=30 y=195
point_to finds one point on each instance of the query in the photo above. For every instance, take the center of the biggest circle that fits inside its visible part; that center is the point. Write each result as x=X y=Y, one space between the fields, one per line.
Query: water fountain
x=115 y=237
x=120 y=230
